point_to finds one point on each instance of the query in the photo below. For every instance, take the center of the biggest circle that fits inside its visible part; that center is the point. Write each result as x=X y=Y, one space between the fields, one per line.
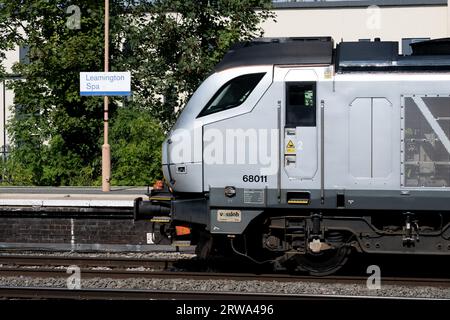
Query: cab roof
x=279 y=51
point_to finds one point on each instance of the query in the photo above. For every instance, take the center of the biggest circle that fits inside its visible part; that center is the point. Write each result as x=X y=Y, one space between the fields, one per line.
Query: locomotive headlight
x=230 y=191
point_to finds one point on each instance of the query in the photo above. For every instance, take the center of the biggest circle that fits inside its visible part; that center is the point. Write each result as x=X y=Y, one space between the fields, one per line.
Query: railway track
x=86 y=262
x=38 y=293
x=130 y=274
x=128 y=268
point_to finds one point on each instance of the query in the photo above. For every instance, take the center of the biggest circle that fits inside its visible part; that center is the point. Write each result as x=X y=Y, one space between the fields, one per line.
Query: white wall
x=6 y=96
x=350 y=24
x=6 y=100
x=448 y=19
x=11 y=58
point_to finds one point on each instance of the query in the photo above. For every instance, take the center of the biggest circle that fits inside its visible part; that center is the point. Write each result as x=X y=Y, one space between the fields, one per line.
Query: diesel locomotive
x=298 y=152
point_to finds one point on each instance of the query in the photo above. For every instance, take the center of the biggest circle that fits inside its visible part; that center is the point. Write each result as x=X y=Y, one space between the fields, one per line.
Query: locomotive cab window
x=300 y=104
x=232 y=94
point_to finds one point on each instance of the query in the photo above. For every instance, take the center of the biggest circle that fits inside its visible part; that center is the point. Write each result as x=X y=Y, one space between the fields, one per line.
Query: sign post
x=106 y=149
x=105 y=84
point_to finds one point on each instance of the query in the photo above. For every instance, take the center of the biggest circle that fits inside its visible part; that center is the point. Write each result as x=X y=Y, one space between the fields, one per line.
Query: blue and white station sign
x=105 y=83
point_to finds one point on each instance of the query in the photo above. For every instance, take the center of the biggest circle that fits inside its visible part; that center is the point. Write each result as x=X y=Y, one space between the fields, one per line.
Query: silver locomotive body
x=314 y=149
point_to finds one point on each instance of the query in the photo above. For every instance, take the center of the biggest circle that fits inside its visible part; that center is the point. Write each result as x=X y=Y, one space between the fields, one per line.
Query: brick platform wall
x=78 y=231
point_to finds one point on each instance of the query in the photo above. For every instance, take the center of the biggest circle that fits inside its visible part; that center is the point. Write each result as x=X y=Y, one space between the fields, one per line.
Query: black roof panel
x=366 y=53
x=432 y=47
x=281 y=51
x=433 y=55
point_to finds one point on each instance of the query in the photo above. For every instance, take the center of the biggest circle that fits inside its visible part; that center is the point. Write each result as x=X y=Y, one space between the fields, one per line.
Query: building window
x=23 y=54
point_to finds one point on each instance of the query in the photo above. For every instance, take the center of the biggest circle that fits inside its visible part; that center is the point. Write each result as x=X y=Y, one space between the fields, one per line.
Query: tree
x=178 y=44
x=55 y=132
x=137 y=138
x=170 y=47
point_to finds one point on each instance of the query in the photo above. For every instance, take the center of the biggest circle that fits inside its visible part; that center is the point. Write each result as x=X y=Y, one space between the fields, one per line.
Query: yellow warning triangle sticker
x=290 y=144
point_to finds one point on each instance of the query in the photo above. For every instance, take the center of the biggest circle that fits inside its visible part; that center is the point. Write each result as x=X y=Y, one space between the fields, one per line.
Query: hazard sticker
x=290 y=147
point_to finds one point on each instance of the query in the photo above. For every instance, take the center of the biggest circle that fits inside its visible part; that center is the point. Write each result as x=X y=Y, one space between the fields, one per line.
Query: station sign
x=105 y=83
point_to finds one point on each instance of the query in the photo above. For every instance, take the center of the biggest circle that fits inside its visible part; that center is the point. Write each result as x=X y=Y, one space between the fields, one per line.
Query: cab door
x=300 y=131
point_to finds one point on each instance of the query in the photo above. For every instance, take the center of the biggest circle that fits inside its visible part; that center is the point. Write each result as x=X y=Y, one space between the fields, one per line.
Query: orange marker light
x=182 y=231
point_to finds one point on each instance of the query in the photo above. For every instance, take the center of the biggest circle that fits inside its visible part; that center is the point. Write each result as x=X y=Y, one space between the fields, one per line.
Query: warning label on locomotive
x=290 y=147
x=229 y=215
x=254 y=196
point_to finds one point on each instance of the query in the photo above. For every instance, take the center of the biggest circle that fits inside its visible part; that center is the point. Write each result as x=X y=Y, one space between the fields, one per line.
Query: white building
x=349 y=20
x=353 y=20
x=7 y=96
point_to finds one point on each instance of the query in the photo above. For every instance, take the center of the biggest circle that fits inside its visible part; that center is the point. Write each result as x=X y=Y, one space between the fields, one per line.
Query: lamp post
x=106 y=149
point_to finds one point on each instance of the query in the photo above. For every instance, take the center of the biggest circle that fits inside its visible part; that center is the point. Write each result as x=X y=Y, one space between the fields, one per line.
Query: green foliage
x=136 y=153
x=55 y=132
x=170 y=47
x=178 y=44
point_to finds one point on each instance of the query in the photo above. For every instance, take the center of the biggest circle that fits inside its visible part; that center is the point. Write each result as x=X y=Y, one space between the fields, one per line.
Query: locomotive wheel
x=204 y=246
x=323 y=263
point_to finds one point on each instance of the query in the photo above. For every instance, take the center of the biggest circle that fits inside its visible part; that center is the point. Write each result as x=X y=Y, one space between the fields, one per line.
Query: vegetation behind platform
x=169 y=47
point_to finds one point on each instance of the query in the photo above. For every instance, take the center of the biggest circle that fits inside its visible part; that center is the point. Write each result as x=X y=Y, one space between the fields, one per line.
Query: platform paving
x=70 y=196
